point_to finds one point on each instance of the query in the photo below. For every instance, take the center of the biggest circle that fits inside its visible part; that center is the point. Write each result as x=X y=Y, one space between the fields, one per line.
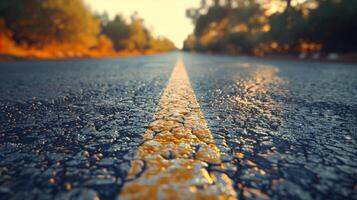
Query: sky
x=165 y=17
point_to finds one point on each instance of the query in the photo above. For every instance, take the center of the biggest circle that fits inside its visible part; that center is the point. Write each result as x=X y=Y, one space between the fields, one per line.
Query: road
x=178 y=126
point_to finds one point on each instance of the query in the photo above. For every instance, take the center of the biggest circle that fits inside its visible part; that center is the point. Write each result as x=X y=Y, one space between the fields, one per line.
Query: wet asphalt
x=285 y=129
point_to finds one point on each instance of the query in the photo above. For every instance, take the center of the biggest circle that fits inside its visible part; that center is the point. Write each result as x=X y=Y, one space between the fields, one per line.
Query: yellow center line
x=173 y=160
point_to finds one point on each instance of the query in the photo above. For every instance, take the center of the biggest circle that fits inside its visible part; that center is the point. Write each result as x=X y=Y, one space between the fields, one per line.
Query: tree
x=118 y=31
x=337 y=21
x=214 y=14
x=40 y=22
x=282 y=25
x=139 y=35
x=161 y=44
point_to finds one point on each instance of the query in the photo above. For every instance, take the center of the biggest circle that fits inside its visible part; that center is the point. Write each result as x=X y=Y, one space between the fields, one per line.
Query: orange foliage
x=7 y=45
x=305 y=46
x=61 y=50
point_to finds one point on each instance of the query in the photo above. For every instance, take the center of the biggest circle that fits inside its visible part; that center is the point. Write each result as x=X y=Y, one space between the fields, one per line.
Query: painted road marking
x=173 y=161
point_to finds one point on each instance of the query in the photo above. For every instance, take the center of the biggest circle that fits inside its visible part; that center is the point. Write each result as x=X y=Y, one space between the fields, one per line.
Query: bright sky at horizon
x=165 y=17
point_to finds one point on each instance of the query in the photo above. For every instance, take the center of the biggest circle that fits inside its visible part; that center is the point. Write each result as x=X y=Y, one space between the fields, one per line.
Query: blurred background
x=71 y=28
x=77 y=28
x=261 y=27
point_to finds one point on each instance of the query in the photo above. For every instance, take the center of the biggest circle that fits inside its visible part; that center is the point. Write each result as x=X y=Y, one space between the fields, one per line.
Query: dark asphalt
x=286 y=129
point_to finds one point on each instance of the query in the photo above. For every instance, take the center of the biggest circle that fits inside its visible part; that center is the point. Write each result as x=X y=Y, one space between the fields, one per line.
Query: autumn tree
x=282 y=26
x=161 y=44
x=40 y=22
x=118 y=30
x=333 y=24
x=139 y=35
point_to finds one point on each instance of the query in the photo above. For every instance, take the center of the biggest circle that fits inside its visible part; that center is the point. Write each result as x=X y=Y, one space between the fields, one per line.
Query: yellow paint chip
x=177 y=149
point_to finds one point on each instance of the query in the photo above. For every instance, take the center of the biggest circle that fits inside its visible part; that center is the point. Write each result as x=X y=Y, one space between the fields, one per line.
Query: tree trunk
x=229 y=3
x=288 y=5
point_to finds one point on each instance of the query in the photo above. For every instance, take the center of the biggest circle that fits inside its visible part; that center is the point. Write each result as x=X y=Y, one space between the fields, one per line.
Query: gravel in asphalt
x=288 y=129
x=74 y=125
x=284 y=129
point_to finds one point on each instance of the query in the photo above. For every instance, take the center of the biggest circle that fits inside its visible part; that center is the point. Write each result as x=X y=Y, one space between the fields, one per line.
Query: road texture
x=178 y=126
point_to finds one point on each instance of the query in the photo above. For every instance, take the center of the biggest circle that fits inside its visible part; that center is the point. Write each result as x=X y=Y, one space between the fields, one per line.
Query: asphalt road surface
x=268 y=129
